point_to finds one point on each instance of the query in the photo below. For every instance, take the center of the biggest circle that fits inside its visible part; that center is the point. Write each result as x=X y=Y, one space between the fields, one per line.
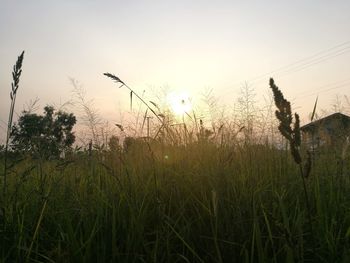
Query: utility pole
x=148 y=117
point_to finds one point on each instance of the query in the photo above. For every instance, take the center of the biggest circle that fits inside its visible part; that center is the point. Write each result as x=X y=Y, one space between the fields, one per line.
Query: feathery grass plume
x=118 y=80
x=17 y=71
x=115 y=78
x=284 y=115
x=16 y=74
x=89 y=113
x=293 y=135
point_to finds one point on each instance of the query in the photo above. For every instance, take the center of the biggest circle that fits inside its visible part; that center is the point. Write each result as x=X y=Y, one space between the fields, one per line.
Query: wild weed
x=291 y=131
x=16 y=74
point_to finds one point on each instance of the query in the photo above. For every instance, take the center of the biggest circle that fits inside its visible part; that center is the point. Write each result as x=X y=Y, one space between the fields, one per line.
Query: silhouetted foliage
x=129 y=142
x=44 y=135
x=285 y=117
x=113 y=143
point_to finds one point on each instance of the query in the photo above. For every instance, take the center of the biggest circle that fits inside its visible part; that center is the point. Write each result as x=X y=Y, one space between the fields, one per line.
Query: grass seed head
x=115 y=78
x=284 y=115
x=16 y=74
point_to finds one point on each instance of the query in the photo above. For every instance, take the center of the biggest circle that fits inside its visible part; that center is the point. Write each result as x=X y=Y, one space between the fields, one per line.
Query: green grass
x=204 y=203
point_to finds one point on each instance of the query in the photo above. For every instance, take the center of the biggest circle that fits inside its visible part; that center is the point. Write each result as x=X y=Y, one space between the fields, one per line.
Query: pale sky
x=186 y=45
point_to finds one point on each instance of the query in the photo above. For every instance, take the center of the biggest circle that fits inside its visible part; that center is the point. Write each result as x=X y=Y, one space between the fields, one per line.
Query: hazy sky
x=186 y=45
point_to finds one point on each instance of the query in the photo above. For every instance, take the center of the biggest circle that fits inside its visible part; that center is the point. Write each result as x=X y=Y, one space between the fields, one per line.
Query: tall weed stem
x=291 y=131
x=16 y=73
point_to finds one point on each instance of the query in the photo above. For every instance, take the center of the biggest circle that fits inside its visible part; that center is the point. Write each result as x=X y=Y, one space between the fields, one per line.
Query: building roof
x=338 y=116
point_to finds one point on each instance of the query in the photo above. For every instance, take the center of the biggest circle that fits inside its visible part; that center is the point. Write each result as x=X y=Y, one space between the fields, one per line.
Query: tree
x=43 y=135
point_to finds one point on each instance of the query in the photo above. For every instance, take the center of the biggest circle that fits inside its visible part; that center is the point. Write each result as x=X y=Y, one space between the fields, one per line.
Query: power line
x=325 y=90
x=304 y=60
x=303 y=63
x=325 y=87
x=311 y=63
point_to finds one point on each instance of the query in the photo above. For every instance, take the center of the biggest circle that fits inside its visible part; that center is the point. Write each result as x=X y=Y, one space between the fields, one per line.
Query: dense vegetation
x=198 y=202
x=214 y=197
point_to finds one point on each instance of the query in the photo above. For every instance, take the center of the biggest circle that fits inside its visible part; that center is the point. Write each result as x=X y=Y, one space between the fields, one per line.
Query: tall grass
x=293 y=136
x=206 y=200
x=16 y=74
x=210 y=204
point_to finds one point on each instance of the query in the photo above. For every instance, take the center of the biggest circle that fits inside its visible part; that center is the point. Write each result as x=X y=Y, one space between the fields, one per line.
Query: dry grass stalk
x=117 y=80
x=292 y=133
x=16 y=74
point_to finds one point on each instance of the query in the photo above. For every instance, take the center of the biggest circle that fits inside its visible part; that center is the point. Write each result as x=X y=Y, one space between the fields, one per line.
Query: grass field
x=200 y=202
x=197 y=195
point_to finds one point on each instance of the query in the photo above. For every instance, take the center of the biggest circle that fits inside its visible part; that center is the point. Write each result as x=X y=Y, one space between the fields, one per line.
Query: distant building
x=332 y=130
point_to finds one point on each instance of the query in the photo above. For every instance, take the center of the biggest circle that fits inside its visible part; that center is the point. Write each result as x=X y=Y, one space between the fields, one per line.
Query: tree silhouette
x=45 y=135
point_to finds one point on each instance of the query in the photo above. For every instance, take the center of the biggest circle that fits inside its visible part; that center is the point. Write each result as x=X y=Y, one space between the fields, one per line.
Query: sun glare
x=180 y=102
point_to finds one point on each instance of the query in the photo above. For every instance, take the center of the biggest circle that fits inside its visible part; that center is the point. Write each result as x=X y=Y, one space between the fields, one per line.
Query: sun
x=179 y=102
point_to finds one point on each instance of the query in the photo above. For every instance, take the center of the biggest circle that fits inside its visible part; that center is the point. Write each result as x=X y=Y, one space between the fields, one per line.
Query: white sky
x=186 y=45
